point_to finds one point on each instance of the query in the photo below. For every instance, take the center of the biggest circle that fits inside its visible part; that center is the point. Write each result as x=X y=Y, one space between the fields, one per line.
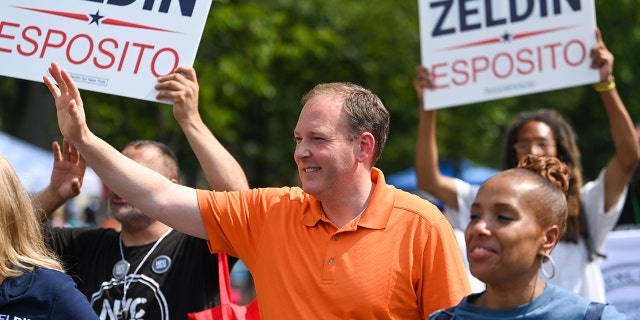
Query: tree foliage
x=257 y=58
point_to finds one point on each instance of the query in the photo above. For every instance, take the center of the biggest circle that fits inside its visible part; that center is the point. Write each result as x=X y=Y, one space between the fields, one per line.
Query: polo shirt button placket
x=331 y=261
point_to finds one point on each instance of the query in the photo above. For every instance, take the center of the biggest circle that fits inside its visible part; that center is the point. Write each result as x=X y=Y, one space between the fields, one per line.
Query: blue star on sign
x=506 y=37
x=96 y=18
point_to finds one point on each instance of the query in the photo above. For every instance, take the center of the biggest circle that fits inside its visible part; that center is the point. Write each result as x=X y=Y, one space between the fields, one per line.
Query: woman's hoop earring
x=553 y=266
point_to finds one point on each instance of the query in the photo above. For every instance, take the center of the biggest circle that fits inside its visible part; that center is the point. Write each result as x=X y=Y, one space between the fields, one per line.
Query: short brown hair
x=364 y=110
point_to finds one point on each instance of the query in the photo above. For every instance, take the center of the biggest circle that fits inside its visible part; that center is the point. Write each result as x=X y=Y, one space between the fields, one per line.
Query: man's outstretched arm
x=149 y=191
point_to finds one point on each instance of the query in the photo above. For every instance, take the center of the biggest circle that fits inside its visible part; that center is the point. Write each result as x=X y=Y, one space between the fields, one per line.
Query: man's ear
x=365 y=147
x=175 y=181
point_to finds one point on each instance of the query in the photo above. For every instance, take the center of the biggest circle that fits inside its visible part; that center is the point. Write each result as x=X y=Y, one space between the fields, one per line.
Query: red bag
x=226 y=310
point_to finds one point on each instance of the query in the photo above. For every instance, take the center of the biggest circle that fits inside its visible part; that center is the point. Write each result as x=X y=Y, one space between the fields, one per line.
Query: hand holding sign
x=181 y=87
x=602 y=58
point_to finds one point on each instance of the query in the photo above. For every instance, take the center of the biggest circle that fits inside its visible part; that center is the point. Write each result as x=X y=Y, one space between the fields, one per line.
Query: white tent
x=34 y=164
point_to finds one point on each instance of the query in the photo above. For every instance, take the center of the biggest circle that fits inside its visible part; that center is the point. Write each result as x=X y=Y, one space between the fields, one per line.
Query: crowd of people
x=594 y=207
x=343 y=235
x=147 y=269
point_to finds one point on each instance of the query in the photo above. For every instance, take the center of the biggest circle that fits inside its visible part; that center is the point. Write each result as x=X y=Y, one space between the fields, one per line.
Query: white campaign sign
x=621 y=271
x=491 y=49
x=113 y=46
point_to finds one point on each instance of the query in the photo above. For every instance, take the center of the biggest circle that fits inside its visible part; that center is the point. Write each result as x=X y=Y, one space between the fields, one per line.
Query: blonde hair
x=22 y=245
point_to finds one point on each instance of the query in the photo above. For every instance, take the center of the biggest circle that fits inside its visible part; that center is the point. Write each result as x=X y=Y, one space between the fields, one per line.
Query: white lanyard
x=126 y=283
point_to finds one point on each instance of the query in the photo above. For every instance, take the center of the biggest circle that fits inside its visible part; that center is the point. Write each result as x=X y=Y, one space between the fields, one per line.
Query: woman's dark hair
x=566 y=151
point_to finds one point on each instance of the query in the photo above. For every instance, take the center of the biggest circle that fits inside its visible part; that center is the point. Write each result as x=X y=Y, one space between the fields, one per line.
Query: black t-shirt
x=178 y=277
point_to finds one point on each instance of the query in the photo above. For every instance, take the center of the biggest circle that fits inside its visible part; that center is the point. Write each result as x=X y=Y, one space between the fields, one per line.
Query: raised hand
x=68 y=170
x=602 y=58
x=66 y=179
x=181 y=87
x=71 y=118
x=421 y=82
x=222 y=171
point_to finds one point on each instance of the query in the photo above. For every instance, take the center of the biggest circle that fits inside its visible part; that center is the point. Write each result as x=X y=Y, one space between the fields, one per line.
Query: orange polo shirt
x=398 y=260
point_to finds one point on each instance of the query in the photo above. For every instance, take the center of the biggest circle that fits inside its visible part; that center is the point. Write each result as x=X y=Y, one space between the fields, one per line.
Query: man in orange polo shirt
x=343 y=246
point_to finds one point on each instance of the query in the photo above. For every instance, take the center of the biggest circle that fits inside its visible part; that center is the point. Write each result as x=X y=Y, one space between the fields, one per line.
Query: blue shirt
x=553 y=303
x=43 y=294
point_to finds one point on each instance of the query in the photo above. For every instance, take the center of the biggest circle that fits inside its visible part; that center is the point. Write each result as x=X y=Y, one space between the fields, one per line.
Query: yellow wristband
x=605 y=86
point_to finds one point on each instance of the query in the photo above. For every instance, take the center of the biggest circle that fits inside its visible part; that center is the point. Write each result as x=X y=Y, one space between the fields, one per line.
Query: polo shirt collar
x=378 y=210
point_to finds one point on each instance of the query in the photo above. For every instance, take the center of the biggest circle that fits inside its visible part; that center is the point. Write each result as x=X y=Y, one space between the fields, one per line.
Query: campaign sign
x=485 y=50
x=113 y=46
x=621 y=271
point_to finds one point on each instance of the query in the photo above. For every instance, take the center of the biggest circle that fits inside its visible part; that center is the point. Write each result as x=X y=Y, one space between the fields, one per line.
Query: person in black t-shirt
x=147 y=270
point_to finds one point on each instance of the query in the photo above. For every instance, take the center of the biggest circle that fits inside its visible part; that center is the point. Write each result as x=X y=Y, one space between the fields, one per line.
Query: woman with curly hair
x=517 y=219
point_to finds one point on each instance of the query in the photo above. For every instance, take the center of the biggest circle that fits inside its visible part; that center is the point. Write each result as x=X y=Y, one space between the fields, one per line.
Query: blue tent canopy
x=33 y=166
x=463 y=169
